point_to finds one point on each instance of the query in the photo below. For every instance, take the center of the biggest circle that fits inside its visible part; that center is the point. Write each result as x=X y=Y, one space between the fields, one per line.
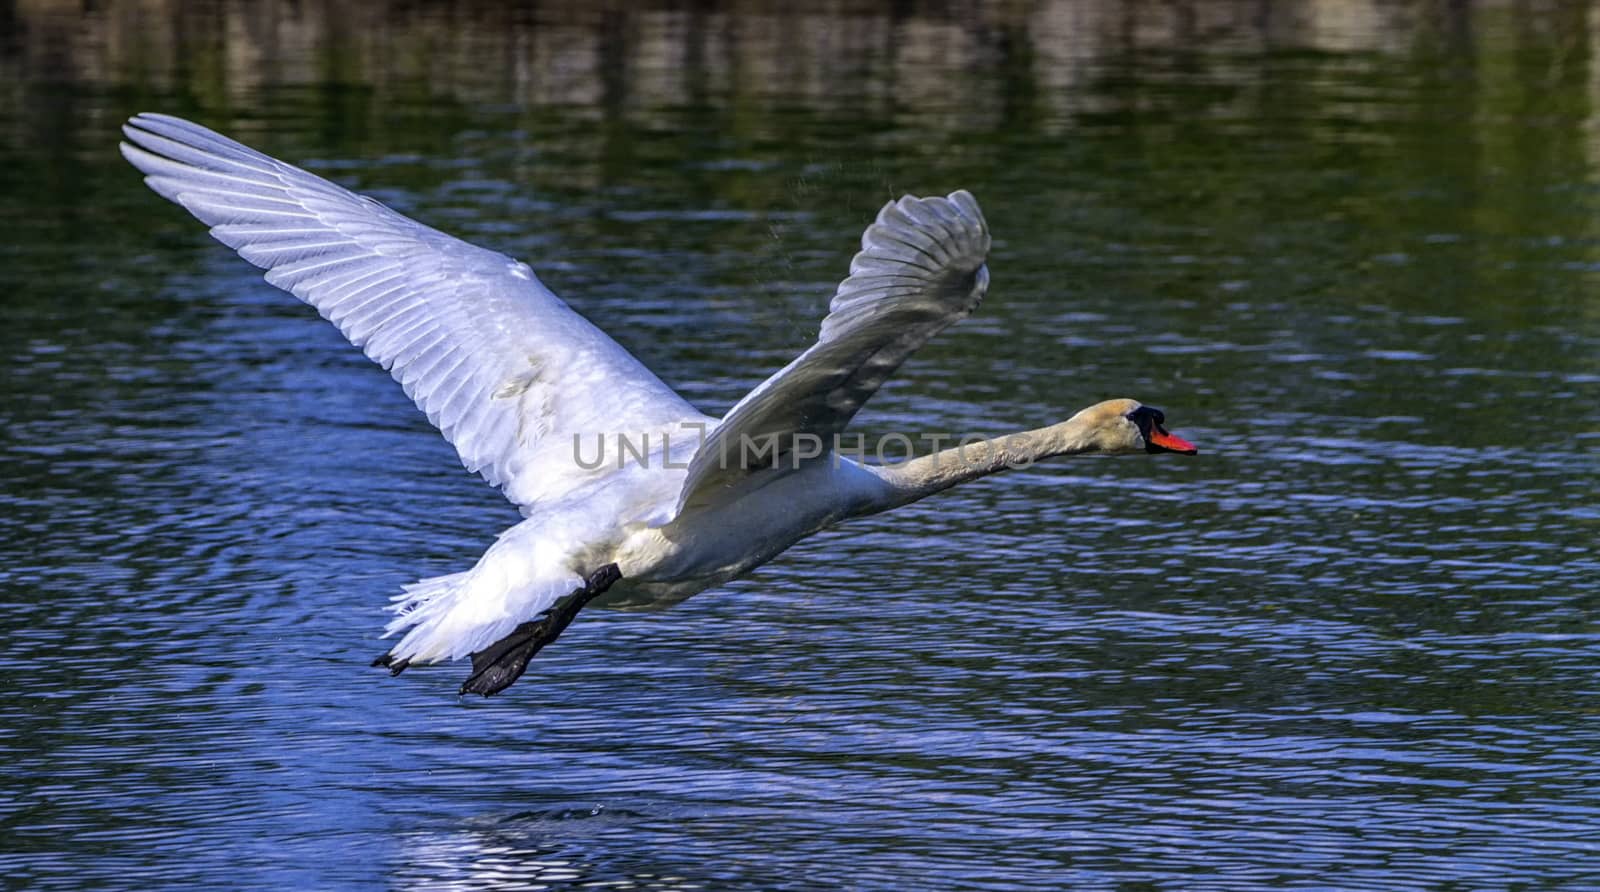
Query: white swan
x=523 y=386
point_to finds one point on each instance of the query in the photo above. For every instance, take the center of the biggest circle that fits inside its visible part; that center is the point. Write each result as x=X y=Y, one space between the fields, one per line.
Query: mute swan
x=517 y=382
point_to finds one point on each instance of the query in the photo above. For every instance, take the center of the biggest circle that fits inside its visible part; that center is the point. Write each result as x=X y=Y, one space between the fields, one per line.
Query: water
x=1350 y=250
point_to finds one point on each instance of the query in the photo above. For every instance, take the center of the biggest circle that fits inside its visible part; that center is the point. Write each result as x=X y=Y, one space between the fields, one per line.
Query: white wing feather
x=920 y=268
x=497 y=362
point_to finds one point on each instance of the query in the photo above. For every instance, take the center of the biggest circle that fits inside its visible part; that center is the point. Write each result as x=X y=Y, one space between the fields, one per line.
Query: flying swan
x=522 y=386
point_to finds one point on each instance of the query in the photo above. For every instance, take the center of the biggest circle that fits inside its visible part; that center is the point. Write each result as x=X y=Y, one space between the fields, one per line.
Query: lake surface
x=1352 y=251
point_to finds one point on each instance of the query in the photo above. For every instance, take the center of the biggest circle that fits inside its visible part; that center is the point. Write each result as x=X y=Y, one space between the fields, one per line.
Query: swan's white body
x=522 y=385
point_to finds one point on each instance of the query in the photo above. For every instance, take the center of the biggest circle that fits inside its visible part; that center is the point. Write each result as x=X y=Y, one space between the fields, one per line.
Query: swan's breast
x=768 y=513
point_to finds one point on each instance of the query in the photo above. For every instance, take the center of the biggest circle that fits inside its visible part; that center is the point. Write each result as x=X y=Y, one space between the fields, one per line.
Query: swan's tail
x=448 y=617
x=522 y=575
x=429 y=613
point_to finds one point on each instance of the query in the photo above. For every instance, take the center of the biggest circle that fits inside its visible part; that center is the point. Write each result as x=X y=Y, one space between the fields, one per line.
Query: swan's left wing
x=921 y=267
x=505 y=369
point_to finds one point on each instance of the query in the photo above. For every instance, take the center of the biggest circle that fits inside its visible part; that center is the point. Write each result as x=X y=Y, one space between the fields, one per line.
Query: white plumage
x=511 y=375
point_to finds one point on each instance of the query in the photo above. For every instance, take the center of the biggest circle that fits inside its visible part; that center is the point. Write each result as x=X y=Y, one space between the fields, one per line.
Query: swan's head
x=1129 y=426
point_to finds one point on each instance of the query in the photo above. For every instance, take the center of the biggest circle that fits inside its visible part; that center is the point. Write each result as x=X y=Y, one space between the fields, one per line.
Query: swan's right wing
x=505 y=369
x=920 y=268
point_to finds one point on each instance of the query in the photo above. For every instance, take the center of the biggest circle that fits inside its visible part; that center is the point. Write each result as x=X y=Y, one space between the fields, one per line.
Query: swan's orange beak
x=1156 y=438
x=1166 y=442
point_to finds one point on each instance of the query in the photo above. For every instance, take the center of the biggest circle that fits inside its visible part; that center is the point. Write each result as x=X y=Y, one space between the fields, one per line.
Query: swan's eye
x=1146 y=418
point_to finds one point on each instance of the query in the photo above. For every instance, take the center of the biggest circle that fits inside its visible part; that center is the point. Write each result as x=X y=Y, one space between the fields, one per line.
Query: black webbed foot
x=395 y=667
x=500 y=664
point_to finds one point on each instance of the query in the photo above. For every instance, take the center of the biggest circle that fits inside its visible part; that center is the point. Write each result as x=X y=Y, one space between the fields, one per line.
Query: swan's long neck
x=922 y=477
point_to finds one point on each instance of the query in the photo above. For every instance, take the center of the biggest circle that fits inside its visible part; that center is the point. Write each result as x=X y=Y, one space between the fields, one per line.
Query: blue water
x=1353 y=644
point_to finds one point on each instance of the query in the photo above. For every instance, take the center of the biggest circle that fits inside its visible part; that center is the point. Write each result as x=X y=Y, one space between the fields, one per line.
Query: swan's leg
x=495 y=667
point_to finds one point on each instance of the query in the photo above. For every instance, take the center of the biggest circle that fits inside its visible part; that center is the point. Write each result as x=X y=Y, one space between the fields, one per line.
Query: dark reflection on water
x=1349 y=248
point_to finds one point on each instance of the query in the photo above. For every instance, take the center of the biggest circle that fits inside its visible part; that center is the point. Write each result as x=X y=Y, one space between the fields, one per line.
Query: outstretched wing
x=920 y=268
x=499 y=364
